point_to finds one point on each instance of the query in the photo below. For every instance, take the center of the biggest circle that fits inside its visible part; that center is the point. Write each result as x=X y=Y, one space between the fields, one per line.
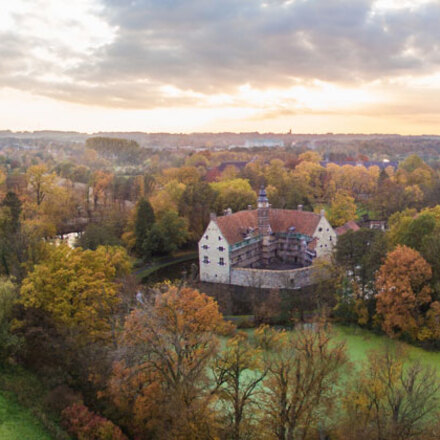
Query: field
x=17 y=423
x=360 y=341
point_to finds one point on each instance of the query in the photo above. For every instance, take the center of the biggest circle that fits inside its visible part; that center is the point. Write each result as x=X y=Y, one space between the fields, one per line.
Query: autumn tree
x=161 y=381
x=236 y=194
x=40 y=181
x=304 y=368
x=404 y=293
x=342 y=209
x=238 y=372
x=390 y=398
x=77 y=289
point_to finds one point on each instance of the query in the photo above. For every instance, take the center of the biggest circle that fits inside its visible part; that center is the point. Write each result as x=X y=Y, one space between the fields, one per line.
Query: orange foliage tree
x=404 y=293
x=161 y=381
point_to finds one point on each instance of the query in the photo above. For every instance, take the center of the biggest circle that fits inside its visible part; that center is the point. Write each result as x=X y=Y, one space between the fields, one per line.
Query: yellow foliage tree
x=343 y=209
x=77 y=288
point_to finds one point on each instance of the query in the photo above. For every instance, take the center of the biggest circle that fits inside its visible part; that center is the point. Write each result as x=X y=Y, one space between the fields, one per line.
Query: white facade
x=214 y=255
x=215 y=251
x=326 y=236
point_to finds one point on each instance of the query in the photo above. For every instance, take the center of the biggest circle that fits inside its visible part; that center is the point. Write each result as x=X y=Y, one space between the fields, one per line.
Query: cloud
x=129 y=54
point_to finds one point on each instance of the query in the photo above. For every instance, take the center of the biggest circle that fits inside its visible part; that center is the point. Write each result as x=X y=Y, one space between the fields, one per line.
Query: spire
x=263 y=212
x=262 y=197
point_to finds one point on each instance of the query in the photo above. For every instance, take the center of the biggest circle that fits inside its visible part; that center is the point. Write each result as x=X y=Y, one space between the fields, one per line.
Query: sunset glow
x=181 y=66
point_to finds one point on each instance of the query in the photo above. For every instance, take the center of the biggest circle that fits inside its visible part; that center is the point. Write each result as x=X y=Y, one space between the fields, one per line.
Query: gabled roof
x=235 y=226
x=349 y=226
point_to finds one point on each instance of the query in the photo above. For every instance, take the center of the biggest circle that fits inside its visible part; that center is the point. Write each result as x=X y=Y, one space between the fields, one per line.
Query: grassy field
x=360 y=341
x=17 y=423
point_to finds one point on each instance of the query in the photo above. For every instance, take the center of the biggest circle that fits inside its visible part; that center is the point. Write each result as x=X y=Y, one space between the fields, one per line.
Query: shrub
x=86 y=425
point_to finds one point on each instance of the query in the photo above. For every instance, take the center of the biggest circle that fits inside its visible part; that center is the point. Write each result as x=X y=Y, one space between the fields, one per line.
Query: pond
x=172 y=272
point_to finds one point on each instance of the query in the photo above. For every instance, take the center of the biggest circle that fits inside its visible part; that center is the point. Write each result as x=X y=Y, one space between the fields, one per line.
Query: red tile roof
x=235 y=226
x=350 y=225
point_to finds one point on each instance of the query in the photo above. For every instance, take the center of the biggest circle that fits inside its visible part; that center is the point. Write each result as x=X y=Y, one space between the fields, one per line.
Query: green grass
x=17 y=423
x=360 y=342
x=24 y=413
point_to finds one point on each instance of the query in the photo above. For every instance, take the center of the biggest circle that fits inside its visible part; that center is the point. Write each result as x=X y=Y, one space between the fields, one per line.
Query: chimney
x=300 y=207
x=229 y=211
x=322 y=212
x=213 y=216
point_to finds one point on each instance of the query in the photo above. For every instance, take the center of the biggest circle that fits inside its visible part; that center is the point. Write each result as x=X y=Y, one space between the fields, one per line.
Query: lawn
x=17 y=423
x=360 y=341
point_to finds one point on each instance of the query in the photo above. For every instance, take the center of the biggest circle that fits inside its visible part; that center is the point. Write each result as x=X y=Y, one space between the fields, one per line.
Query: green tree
x=196 y=203
x=97 y=235
x=9 y=342
x=144 y=221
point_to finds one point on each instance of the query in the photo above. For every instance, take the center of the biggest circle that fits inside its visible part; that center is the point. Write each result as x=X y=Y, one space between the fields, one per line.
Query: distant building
x=264 y=246
x=263 y=143
x=367 y=164
x=349 y=226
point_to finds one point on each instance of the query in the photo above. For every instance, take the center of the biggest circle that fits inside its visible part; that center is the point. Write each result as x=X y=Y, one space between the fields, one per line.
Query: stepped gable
x=234 y=226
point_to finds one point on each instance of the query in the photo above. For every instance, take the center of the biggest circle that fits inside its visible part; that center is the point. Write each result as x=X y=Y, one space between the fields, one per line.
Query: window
x=221 y=248
x=205 y=246
x=205 y=259
x=206 y=236
x=330 y=238
x=219 y=238
x=320 y=229
x=221 y=261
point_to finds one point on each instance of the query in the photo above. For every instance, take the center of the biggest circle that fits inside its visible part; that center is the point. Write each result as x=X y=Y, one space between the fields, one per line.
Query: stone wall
x=273 y=279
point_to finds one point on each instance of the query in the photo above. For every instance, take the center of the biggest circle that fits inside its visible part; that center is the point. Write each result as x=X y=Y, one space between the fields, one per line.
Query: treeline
x=123 y=150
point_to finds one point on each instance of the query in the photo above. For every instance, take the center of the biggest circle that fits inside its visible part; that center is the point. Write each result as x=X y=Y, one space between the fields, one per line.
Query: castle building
x=263 y=238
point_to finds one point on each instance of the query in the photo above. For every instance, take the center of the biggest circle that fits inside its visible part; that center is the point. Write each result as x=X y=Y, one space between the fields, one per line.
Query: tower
x=263 y=213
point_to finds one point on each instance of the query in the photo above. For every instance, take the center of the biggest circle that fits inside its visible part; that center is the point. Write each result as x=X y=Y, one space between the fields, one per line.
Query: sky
x=310 y=66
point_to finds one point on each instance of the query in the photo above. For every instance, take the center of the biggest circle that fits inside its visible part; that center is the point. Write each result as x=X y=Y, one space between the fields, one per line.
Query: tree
x=144 y=221
x=196 y=203
x=303 y=370
x=12 y=202
x=390 y=399
x=238 y=371
x=404 y=293
x=97 y=235
x=236 y=194
x=40 y=181
x=161 y=380
x=342 y=209
x=77 y=289
x=361 y=253
x=9 y=342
